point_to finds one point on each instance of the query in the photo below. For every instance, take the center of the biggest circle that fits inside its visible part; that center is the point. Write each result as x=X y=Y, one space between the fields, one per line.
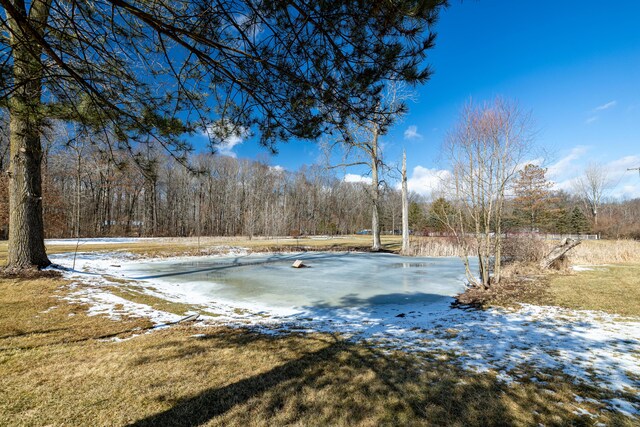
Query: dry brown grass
x=135 y=294
x=56 y=367
x=512 y=290
x=437 y=247
x=612 y=288
x=60 y=366
x=589 y=252
x=597 y=252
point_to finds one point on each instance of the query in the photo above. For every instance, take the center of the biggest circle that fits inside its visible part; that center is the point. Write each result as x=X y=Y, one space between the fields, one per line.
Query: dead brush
x=524 y=249
x=439 y=247
x=597 y=252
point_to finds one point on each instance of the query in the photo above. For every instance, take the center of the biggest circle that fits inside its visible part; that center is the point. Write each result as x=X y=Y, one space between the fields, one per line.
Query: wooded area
x=90 y=191
x=151 y=194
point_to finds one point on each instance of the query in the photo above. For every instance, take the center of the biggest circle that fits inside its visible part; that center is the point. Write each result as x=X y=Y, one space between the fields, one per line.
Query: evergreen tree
x=441 y=214
x=141 y=71
x=532 y=201
x=417 y=220
x=561 y=222
x=578 y=222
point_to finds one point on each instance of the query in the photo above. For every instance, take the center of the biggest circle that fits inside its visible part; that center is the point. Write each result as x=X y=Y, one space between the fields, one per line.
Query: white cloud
x=566 y=165
x=624 y=163
x=623 y=184
x=593 y=113
x=352 y=177
x=226 y=146
x=253 y=29
x=425 y=181
x=536 y=162
x=606 y=106
x=225 y=138
x=276 y=168
x=412 y=133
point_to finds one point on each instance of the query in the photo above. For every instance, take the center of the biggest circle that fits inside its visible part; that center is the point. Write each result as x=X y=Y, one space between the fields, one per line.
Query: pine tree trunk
x=405 y=207
x=26 y=225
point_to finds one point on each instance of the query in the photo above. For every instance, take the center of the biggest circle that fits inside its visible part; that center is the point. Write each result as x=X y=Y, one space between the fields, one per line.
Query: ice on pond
x=332 y=279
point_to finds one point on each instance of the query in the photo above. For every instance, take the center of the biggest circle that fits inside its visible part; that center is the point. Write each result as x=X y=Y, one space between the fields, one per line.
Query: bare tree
x=591 y=187
x=485 y=149
x=360 y=146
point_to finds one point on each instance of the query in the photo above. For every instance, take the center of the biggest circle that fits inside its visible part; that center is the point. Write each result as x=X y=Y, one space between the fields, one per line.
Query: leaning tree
x=139 y=70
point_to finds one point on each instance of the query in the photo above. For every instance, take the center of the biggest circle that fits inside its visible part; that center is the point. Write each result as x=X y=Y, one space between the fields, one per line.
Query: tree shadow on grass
x=342 y=383
x=216 y=401
x=24 y=333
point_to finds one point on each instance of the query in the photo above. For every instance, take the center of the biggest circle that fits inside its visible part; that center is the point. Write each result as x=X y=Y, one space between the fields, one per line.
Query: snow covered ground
x=98 y=241
x=594 y=347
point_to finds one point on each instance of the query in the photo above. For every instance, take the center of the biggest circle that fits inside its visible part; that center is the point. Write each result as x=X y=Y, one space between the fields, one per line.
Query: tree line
x=91 y=191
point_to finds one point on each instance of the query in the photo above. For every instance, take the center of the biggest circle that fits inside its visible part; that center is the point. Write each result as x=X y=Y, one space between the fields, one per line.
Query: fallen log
x=558 y=252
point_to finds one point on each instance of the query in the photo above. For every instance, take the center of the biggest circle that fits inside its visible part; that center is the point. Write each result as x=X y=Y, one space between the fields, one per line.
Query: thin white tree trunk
x=405 y=207
x=375 y=192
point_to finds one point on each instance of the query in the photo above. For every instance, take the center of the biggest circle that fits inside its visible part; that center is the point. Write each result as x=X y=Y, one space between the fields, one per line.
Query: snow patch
x=98 y=240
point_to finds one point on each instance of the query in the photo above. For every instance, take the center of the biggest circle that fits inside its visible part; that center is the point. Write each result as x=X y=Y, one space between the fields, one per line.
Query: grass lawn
x=612 y=288
x=59 y=366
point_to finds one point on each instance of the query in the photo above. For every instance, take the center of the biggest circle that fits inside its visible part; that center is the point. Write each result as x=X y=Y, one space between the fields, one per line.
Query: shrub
x=524 y=249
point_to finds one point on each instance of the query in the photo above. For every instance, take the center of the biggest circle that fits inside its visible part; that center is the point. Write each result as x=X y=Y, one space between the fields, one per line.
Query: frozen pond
x=331 y=279
x=396 y=302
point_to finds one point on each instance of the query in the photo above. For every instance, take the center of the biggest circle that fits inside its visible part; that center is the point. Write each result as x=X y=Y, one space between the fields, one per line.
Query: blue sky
x=574 y=64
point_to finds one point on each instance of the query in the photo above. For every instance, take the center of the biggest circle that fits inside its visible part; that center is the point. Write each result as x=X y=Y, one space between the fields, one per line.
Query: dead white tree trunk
x=405 y=206
x=558 y=252
x=375 y=191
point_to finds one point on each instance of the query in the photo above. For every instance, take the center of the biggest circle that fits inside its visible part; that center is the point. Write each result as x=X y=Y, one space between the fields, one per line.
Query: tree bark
x=26 y=225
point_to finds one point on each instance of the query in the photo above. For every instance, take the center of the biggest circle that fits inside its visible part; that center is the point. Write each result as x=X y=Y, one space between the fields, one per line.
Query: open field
x=58 y=365
x=597 y=252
